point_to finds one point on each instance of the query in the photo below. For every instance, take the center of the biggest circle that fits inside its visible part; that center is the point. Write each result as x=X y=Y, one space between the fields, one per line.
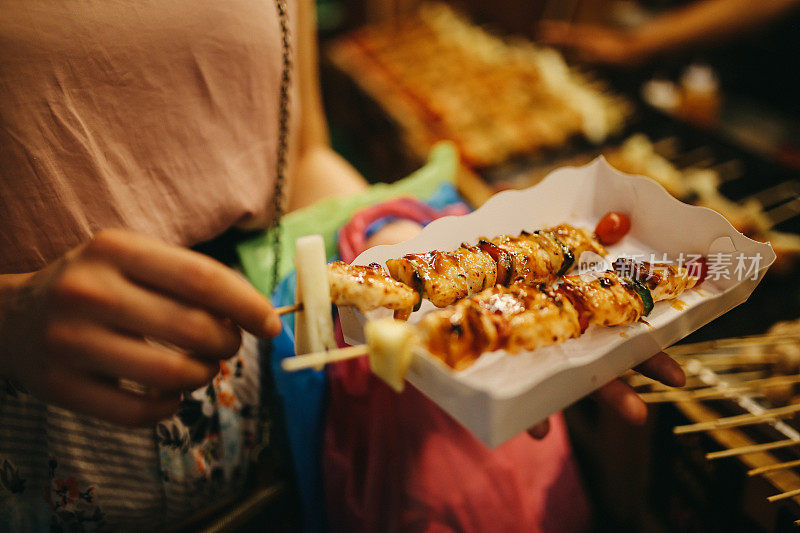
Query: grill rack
x=725 y=397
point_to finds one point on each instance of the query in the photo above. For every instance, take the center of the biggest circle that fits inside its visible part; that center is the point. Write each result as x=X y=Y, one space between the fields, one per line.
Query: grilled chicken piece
x=445 y=277
x=664 y=281
x=578 y=240
x=478 y=267
x=435 y=274
x=612 y=298
x=511 y=318
x=534 y=258
x=603 y=298
x=539 y=257
x=369 y=287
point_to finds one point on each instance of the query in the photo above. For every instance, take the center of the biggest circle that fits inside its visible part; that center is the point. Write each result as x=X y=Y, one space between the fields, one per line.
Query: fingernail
x=273 y=325
x=637 y=410
x=677 y=377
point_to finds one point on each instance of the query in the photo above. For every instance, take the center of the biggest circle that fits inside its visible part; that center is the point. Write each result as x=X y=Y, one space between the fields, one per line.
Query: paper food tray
x=503 y=394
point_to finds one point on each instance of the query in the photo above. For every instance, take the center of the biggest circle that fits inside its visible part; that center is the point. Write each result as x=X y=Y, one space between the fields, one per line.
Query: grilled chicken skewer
x=515 y=318
x=538 y=257
x=446 y=277
x=526 y=317
x=369 y=287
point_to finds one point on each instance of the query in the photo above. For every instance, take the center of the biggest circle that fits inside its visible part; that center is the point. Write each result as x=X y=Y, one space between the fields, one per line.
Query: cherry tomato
x=612 y=227
x=699 y=269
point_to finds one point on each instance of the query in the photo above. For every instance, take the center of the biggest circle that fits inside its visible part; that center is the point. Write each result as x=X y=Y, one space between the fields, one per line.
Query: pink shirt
x=158 y=116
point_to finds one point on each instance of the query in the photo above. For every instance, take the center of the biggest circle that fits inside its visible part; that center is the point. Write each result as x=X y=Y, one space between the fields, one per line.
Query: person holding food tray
x=127 y=134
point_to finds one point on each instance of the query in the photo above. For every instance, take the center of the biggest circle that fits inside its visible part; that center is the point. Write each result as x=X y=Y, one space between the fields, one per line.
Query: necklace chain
x=283 y=140
x=269 y=404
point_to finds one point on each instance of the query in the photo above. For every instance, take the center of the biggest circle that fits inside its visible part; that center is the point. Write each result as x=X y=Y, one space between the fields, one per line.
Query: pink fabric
x=159 y=116
x=399 y=463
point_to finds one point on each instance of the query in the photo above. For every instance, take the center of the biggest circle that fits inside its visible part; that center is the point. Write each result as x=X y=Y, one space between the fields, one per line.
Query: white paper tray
x=503 y=394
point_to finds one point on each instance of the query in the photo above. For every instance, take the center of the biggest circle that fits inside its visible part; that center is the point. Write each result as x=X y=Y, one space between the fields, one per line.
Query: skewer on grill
x=773 y=467
x=718 y=392
x=770 y=415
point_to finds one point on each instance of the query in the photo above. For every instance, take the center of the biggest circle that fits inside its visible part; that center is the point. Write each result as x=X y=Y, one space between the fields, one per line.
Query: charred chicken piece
x=369 y=287
x=539 y=257
x=526 y=317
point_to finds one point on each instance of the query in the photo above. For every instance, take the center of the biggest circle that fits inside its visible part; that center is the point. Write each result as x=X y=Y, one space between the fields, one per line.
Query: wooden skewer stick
x=784 y=495
x=752 y=449
x=732 y=342
x=729 y=170
x=286 y=309
x=709 y=393
x=739 y=420
x=777 y=193
x=736 y=361
x=784 y=212
x=772 y=468
x=692 y=381
x=290 y=364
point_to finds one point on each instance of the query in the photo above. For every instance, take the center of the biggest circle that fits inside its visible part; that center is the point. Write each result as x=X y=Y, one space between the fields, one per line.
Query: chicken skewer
x=446 y=277
x=538 y=257
x=366 y=287
x=514 y=318
x=524 y=317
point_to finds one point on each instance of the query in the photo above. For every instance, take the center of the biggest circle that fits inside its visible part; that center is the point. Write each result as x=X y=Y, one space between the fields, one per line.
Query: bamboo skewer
x=739 y=420
x=286 y=309
x=728 y=170
x=753 y=449
x=784 y=495
x=777 y=193
x=784 y=212
x=772 y=468
x=699 y=157
x=732 y=342
x=667 y=147
x=726 y=361
x=692 y=381
x=300 y=362
x=717 y=392
x=743 y=392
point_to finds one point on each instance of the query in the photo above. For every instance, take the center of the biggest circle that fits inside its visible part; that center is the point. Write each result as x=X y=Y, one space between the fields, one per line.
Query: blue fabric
x=446 y=195
x=303 y=395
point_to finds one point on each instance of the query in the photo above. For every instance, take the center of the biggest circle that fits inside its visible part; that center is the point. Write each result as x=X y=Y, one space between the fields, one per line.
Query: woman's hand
x=126 y=307
x=623 y=399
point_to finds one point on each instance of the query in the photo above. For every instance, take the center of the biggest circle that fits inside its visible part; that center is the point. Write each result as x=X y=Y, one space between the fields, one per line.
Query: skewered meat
x=444 y=278
x=605 y=298
x=369 y=287
x=526 y=317
x=511 y=318
x=664 y=281
x=539 y=257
